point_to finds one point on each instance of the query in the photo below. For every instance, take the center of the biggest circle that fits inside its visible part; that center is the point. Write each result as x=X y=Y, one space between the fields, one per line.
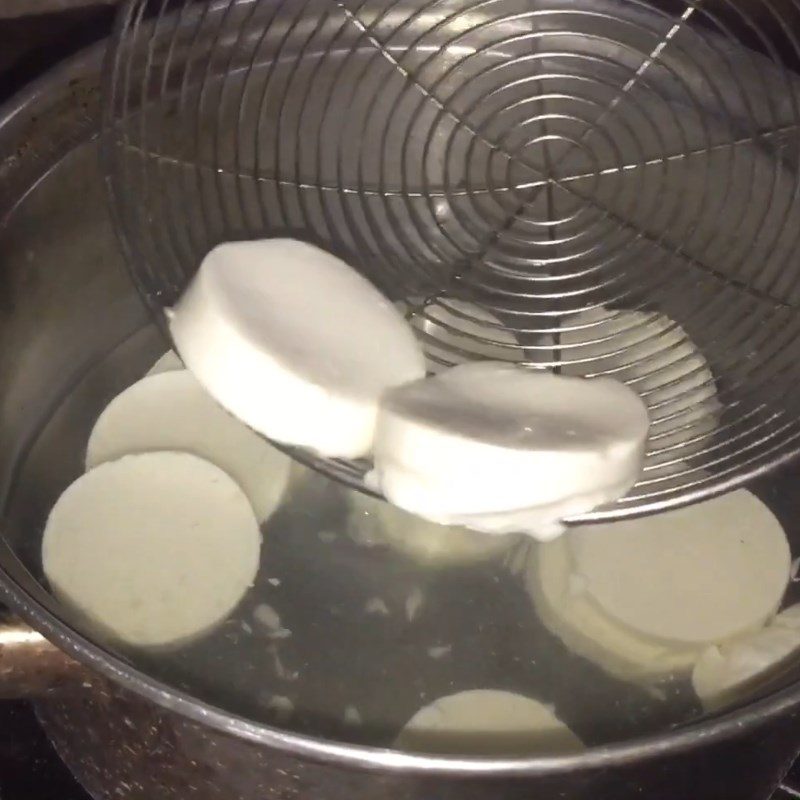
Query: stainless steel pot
x=119 y=744
x=130 y=728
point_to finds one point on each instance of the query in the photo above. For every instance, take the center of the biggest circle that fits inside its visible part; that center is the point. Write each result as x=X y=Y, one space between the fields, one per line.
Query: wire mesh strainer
x=592 y=186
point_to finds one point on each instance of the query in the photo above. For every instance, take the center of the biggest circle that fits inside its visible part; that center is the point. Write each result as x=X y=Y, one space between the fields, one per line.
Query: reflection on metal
x=13 y=636
x=30 y=666
x=533 y=160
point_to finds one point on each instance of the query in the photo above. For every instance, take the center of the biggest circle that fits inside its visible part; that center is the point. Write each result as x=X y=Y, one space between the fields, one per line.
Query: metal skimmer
x=523 y=174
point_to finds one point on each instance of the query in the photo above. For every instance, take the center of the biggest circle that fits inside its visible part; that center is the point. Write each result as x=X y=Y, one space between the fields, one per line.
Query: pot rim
x=373 y=758
x=91 y=60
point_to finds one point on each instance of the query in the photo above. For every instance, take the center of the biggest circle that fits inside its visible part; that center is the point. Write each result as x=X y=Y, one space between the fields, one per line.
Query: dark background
x=30 y=44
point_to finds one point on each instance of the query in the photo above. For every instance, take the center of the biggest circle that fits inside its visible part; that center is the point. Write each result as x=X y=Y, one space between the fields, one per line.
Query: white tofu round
x=658 y=359
x=487 y=722
x=375 y=522
x=295 y=343
x=455 y=331
x=695 y=575
x=169 y=362
x=501 y=448
x=172 y=411
x=153 y=549
x=561 y=603
x=729 y=671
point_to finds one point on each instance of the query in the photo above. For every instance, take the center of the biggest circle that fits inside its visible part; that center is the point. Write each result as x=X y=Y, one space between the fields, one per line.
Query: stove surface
x=29 y=766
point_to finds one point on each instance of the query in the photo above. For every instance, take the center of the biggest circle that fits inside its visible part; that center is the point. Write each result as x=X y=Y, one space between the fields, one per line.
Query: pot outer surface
x=75 y=334
x=121 y=746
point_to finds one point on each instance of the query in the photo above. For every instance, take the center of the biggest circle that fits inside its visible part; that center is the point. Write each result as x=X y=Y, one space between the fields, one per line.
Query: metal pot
x=70 y=318
x=119 y=744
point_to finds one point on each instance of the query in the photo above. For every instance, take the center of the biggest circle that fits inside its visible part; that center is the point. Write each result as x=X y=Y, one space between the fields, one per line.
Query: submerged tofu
x=727 y=672
x=376 y=523
x=703 y=573
x=644 y=598
x=487 y=722
x=562 y=604
x=655 y=356
x=171 y=411
x=152 y=549
x=454 y=331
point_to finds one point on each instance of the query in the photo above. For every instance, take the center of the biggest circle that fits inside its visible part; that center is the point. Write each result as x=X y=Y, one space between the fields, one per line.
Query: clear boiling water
x=375 y=633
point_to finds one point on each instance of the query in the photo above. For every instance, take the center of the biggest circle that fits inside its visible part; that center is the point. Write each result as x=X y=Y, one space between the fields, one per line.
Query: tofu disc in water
x=501 y=448
x=562 y=604
x=487 y=722
x=657 y=359
x=729 y=671
x=455 y=331
x=375 y=522
x=695 y=575
x=169 y=362
x=153 y=549
x=294 y=342
x=172 y=411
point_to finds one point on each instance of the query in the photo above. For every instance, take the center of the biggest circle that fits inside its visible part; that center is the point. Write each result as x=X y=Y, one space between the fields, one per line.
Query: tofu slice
x=295 y=343
x=730 y=671
x=685 y=581
x=656 y=357
x=501 y=448
x=695 y=575
x=172 y=411
x=487 y=722
x=375 y=522
x=560 y=601
x=455 y=331
x=153 y=549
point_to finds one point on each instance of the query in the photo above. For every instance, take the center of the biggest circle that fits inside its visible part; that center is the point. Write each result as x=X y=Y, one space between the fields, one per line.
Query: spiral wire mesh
x=598 y=187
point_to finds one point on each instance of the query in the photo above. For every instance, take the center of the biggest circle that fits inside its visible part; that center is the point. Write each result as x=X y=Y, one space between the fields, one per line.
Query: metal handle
x=30 y=665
